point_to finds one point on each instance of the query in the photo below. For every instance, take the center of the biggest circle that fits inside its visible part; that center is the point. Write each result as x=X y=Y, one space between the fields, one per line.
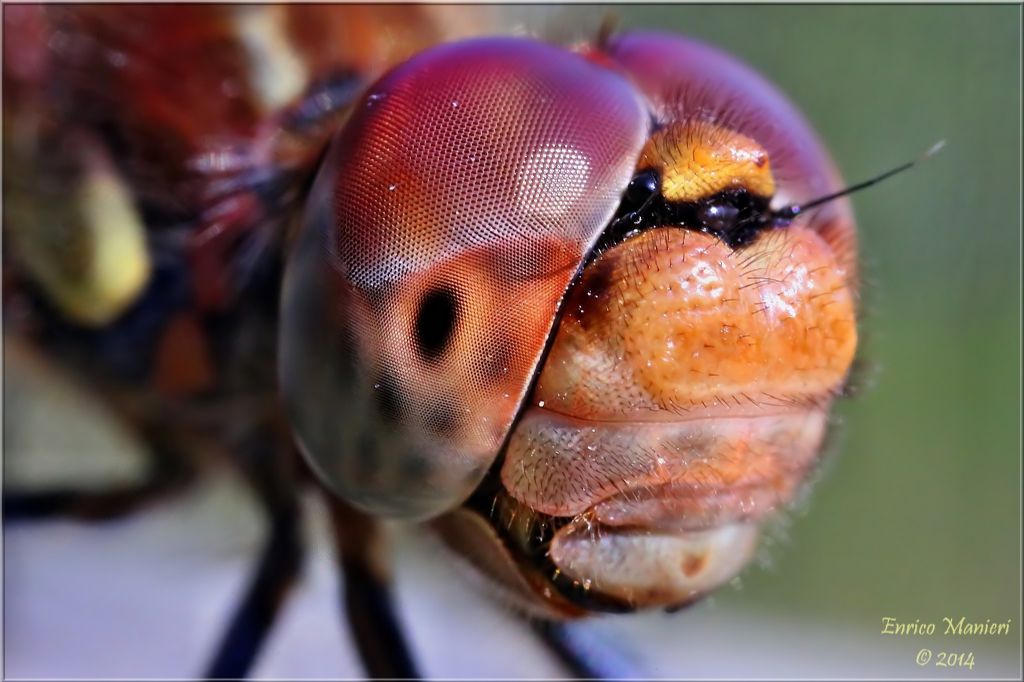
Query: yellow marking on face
x=697 y=159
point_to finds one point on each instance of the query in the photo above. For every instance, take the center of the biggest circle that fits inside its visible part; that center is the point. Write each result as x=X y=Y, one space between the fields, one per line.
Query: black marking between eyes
x=435 y=322
x=734 y=216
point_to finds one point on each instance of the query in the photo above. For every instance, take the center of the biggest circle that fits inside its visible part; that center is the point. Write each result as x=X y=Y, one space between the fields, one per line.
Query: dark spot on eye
x=414 y=466
x=387 y=396
x=435 y=322
x=443 y=420
x=761 y=160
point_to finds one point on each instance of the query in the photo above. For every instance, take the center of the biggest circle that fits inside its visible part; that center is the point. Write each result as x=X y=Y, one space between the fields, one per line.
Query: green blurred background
x=918 y=513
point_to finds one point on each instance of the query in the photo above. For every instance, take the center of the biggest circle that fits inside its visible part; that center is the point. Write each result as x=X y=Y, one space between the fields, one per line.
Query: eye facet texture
x=452 y=212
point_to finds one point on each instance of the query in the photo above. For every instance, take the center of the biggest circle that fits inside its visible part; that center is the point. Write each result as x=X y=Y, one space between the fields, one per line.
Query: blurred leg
x=275 y=574
x=371 y=616
x=587 y=654
x=270 y=464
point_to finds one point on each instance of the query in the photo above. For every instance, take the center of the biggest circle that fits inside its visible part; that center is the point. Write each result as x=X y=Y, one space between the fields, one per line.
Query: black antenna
x=785 y=215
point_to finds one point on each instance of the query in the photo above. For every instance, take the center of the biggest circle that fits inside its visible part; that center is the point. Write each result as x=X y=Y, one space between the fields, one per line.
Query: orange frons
x=675 y=320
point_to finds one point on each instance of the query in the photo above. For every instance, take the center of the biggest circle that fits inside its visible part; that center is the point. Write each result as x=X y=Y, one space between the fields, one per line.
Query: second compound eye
x=435 y=322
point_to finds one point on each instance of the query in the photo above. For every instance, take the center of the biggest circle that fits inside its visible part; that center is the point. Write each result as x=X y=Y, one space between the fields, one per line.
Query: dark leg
x=83 y=505
x=275 y=574
x=586 y=654
x=271 y=468
x=375 y=628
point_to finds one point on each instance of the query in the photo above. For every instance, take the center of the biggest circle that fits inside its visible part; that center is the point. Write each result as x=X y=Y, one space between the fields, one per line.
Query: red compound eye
x=451 y=214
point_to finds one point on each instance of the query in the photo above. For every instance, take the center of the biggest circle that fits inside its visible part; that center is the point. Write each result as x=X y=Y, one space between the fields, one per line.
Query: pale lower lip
x=646 y=569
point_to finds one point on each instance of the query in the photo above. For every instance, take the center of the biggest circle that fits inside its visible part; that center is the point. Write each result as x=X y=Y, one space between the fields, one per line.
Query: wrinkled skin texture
x=687 y=389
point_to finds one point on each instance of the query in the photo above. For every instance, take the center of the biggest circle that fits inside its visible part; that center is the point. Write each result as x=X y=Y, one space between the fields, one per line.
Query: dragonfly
x=581 y=310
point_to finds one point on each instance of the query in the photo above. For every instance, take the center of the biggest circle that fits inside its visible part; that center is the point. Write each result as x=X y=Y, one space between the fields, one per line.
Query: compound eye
x=450 y=215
